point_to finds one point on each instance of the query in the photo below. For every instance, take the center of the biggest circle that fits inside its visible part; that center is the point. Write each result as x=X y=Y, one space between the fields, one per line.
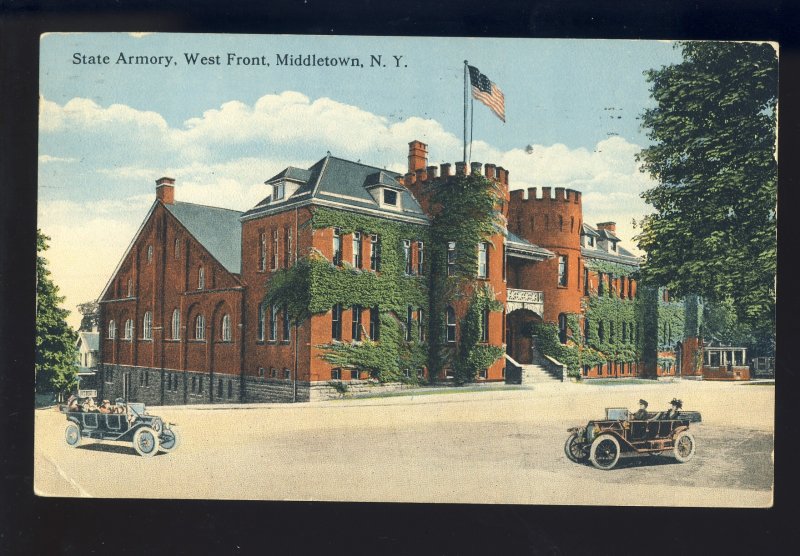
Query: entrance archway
x=518 y=339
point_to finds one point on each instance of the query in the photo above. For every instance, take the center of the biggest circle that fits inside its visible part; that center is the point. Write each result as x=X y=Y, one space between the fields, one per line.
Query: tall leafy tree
x=713 y=154
x=56 y=356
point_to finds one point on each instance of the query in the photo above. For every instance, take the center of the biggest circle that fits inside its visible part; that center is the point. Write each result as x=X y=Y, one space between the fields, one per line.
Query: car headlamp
x=157 y=425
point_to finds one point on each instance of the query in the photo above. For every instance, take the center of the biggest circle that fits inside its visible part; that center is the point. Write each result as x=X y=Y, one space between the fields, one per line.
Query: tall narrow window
x=262 y=322
x=130 y=287
x=483 y=260
x=409 y=322
x=375 y=252
x=585 y=281
x=451 y=258
x=421 y=324
x=286 y=331
x=485 y=325
x=273 y=323
x=336 y=322
x=337 y=247
x=200 y=328
x=288 y=232
x=112 y=330
x=624 y=331
x=611 y=332
x=129 y=329
x=407 y=256
x=451 y=324
x=562 y=328
x=600 y=283
x=562 y=270
x=201 y=278
x=601 y=333
x=356 y=323
x=226 y=328
x=147 y=326
x=586 y=329
x=374 y=324
x=177 y=248
x=176 y=324
x=420 y=258
x=357 y=249
x=622 y=286
x=275 y=252
x=149 y=254
x=262 y=258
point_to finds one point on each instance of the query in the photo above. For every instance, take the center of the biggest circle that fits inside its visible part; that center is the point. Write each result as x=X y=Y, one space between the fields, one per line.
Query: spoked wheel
x=169 y=440
x=605 y=452
x=145 y=442
x=573 y=449
x=684 y=446
x=72 y=434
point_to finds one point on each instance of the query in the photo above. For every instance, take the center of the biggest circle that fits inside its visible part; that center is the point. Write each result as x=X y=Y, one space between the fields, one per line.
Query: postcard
x=406 y=269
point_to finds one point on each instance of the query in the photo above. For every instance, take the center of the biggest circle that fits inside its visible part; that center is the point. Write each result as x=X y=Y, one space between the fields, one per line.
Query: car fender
x=679 y=430
x=624 y=445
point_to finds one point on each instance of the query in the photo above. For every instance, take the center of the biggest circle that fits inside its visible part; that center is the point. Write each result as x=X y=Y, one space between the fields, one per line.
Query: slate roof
x=621 y=255
x=520 y=244
x=343 y=182
x=217 y=229
x=90 y=339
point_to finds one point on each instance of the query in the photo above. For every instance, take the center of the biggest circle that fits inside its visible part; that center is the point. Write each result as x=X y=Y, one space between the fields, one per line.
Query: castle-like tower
x=554 y=223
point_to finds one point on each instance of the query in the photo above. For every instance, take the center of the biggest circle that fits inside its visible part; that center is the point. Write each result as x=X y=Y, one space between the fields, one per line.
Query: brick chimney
x=417 y=156
x=610 y=226
x=165 y=190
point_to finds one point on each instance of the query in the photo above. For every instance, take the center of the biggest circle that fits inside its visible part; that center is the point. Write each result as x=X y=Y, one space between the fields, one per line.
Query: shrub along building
x=348 y=275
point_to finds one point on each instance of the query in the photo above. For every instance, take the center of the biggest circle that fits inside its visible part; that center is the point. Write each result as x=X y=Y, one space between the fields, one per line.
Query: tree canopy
x=56 y=356
x=713 y=154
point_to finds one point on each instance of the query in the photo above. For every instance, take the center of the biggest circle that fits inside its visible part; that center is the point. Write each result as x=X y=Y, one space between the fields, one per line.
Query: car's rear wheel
x=684 y=446
x=604 y=453
x=169 y=440
x=573 y=449
x=72 y=434
x=145 y=442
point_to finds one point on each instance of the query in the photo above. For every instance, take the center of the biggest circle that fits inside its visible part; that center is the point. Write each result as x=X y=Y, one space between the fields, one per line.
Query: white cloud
x=47 y=159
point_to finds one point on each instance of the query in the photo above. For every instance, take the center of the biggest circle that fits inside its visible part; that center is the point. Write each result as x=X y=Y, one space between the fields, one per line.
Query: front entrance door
x=519 y=341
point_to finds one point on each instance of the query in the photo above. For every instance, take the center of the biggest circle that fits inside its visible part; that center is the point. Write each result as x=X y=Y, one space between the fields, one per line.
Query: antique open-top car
x=125 y=422
x=604 y=442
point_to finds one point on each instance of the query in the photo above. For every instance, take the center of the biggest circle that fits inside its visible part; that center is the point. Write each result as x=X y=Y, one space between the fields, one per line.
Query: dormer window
x=589 y=241
x=613 y=245
x=278 y=191
x=390 y=197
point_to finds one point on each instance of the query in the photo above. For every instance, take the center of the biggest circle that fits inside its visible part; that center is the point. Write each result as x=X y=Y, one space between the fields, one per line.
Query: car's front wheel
x=684 y=446
x=169 y=440
x=604 y=453
x=145 y=442
x=573 y=449
x=72 y=434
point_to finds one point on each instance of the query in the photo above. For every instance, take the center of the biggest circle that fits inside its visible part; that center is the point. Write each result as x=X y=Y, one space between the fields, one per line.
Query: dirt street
x=502 y=446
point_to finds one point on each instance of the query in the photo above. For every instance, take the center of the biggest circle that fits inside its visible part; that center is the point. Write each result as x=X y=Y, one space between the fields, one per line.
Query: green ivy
x=464 y=211
x=474 y=356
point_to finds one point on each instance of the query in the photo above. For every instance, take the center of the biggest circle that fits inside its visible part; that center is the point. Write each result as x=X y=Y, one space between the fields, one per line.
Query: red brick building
x=183 y=318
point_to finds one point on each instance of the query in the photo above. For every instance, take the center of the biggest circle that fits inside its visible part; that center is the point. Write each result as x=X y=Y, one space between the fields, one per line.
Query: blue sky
x=108 y=131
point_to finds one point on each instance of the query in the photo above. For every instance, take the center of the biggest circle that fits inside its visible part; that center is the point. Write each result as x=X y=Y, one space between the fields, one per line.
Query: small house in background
x=88 y=345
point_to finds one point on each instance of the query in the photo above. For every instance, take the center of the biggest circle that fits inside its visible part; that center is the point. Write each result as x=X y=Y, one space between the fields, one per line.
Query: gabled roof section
x=217 y=229
x=607 y=234
x=90 y=339
x=292 y=173
x=589 y=231
x=344 y=184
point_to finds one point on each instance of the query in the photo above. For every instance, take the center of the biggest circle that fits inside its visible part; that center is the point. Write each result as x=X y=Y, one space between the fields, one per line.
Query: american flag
x=487 y=92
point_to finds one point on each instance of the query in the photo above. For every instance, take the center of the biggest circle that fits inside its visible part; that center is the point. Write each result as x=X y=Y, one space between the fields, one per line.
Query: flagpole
x=465 y=112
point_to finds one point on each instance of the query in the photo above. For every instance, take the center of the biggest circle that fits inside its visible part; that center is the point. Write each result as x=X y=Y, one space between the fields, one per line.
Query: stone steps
x=532 y=374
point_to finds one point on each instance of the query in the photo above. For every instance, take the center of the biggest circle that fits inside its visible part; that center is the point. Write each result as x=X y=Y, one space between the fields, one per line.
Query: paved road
x=486 y=447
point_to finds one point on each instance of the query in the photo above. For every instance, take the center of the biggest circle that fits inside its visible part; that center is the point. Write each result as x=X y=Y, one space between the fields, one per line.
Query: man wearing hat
x=641 y=414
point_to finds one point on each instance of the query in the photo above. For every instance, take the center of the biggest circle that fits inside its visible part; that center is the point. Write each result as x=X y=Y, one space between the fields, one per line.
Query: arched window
x=149 y=254
x=147 y=326
x=200 y=328
x=262 y=321
x=451 y=324
x=176 y=325
x=112 y=330
x=201 y=278
x=226 y=329
x=129 y=329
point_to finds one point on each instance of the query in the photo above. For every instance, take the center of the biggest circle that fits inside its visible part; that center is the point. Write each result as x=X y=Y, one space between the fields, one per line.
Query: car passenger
x=641 y=414
x=105 y=407
x=672 y=412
